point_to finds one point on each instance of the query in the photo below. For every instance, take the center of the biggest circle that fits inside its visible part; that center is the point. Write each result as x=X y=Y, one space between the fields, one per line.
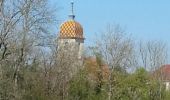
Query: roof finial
x=72 y=16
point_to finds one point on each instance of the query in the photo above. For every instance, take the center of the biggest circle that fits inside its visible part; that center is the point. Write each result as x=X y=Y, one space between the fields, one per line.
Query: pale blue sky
x=144 y=19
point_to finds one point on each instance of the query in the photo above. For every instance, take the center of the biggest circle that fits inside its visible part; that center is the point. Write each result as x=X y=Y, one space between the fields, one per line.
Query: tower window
x=66 y=45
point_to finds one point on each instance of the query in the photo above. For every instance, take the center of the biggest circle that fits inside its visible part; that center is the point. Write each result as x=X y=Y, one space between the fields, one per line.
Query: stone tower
x=71 y=37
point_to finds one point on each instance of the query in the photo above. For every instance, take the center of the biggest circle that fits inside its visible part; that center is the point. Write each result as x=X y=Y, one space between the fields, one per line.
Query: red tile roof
x=166 y=72
x=163 y=72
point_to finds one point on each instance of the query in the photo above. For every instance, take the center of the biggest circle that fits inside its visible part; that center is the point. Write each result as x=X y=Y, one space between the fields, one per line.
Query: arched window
x=66 y=45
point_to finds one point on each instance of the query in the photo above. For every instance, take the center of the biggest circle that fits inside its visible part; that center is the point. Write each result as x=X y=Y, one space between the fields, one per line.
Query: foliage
x=28 y=71
x=82 y=88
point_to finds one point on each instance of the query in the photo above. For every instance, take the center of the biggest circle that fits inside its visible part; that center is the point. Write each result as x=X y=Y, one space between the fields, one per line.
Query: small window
x=66 y=43
x=79 y=44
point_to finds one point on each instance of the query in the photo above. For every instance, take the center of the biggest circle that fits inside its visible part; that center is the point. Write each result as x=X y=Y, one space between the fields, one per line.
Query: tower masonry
x=71 y=35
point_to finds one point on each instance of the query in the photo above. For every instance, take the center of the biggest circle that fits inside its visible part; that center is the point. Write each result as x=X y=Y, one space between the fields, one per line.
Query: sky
x=143 y=19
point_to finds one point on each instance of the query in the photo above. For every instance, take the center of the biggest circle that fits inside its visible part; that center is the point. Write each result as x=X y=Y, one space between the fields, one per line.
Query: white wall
x=167 y=85
x=74 y=44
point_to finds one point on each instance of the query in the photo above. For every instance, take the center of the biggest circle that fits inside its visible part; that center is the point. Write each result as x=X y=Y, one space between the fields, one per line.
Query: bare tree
x=153 y=55
x=117 y=51
x=67 y=65
x=23 y=26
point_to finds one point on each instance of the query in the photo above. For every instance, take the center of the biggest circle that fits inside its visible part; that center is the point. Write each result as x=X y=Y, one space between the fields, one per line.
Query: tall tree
x=153 y=55
x=23 y=27
x=117 y=51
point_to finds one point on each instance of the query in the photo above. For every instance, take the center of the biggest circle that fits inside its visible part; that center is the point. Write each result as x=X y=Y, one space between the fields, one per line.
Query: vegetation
x=33 y=68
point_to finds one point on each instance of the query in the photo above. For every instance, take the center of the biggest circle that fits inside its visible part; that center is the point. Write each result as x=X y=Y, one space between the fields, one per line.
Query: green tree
x=137 y=86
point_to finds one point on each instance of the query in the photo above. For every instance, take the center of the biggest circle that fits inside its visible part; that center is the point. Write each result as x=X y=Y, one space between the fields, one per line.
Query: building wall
x=167 y=85
x=71 y=51
x=74 y=45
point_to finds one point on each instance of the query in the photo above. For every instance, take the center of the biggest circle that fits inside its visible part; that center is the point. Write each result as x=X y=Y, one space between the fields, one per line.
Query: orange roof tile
x=71 y=29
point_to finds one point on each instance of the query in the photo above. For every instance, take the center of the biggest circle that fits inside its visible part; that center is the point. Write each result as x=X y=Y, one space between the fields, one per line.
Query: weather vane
x=72 y=16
